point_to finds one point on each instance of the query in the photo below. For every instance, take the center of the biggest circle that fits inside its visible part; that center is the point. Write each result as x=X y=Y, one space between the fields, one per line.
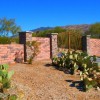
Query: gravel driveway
x=40 y=81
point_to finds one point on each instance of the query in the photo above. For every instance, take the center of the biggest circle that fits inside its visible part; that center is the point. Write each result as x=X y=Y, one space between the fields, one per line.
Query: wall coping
x=26 y=32
x=41 y=37
x=88 y=36
x=54 y=33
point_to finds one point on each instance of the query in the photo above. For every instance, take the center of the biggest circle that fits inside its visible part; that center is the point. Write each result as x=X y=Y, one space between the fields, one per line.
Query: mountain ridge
x=83 y=27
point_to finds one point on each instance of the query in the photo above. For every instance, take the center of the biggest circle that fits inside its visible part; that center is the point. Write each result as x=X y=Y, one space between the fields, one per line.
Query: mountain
x=42 y=29
x=83 y=27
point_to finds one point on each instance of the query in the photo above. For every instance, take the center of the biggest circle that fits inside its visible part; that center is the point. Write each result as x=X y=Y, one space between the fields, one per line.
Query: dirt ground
x=41 y=81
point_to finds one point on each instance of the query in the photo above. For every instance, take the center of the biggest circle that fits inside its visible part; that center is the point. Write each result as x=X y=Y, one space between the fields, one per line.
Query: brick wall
x=8 y=52
x=44 y=48
x=94 y=46
x=91 y=45
x=48 y=47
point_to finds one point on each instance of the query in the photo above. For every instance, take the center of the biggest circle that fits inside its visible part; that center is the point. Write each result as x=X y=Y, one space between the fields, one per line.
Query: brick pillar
x=23 y=38
x=86 y=43
x=53 y=45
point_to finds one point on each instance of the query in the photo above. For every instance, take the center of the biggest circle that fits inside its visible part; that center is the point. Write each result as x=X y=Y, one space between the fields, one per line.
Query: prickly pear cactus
x=5 y=77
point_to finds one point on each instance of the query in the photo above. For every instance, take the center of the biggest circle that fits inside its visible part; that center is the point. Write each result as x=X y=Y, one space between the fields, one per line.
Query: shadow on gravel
x=58 y=68
x=77 y=84
x=48 y=65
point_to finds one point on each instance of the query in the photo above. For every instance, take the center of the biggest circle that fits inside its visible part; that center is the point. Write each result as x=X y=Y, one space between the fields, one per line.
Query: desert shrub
x=94 y=30
x=15 y=39
x=75 y=39
x=8 y=40
x=44 y=33
x=5 y=40
x=34 y=47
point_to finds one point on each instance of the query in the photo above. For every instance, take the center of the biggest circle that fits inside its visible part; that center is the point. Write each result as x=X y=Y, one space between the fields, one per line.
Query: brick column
x=23 y=38
x=86 y=43
x=53 y=45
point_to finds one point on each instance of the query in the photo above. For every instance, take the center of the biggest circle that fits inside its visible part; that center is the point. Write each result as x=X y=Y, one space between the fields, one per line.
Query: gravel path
x=40 y=82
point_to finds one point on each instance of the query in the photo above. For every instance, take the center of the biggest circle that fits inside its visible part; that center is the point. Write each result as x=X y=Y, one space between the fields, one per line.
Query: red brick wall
x=94 y=46
x=44 y=48
x=9 y=51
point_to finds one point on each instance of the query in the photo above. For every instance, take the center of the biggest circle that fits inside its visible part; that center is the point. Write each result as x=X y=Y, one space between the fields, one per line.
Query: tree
x=45 y=32
x=94 y=29
x=59 y=30
x=8 y=26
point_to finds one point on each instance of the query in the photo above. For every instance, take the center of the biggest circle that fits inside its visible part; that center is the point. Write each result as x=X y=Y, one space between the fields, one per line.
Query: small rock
x=98 y=88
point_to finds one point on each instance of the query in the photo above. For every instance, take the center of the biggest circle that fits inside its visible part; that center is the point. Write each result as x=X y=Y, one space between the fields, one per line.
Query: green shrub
x=8 y=40
x=75 y=39
x=5 y=40
x=34 y=47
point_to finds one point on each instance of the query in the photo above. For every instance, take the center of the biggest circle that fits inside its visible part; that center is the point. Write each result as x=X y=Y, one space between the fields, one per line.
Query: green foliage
x=5 y=83
x=75 y=39
x=67 y=60
x=63 y=40
x=13 y=97
x=30 y=60
x=89 y=74
x=8 y=97
x=34 y=47
x=4 y=40
x=88 y=83
x=89 y=69
x=5 y=77
x=94 y=30
x=58 y=30
x=15 y=39
x=8 y=26
x=8 y=40
x=46 y=32
x=4 y=96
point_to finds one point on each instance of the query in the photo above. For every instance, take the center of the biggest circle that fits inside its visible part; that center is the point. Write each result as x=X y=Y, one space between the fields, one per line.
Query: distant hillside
x=42 y=29
x=83 y=27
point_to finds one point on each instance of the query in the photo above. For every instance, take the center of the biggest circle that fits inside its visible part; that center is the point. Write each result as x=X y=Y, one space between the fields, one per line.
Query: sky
x=32 y=14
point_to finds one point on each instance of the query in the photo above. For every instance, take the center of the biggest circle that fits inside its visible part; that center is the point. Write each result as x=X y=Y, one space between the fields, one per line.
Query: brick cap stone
x=54 y=33
x=88 y=36
x=26 y=32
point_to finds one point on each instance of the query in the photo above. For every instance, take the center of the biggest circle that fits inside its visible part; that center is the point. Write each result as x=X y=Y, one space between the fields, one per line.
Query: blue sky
x=31 y=14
